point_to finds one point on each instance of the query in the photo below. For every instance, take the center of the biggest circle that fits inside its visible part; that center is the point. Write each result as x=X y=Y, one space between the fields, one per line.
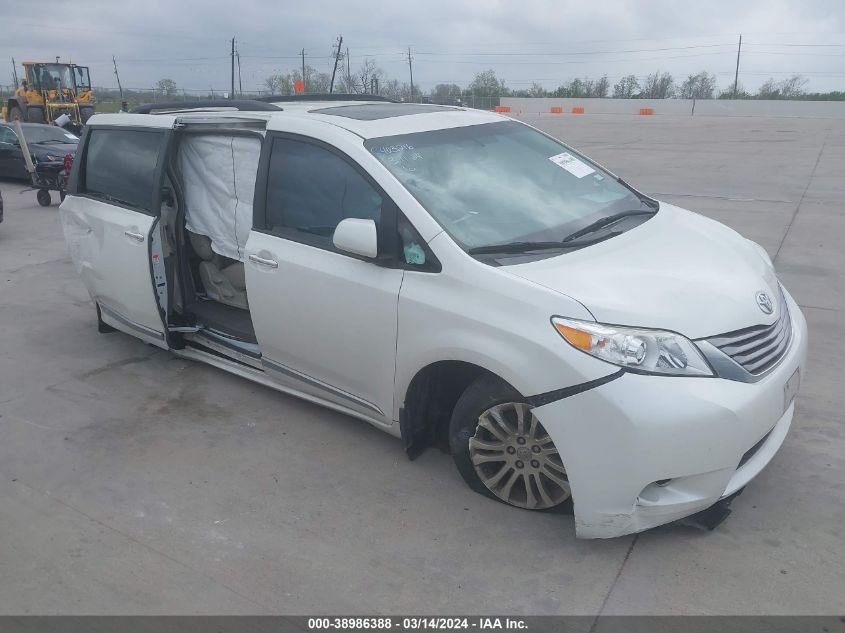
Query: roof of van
x=367 y=119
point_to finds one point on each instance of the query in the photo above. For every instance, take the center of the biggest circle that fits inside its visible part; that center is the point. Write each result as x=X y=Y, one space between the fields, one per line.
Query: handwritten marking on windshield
x=398 y=155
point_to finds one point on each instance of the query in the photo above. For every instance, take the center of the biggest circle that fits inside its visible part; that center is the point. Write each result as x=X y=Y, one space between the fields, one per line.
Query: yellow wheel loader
x=52 y=93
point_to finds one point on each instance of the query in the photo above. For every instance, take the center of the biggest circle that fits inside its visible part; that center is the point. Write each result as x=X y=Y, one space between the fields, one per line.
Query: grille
x=757 y=349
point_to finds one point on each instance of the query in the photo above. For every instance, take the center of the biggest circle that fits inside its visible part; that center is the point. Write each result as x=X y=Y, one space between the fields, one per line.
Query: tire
x=500 y=457
x=44 y=198
x=85 y=113
x=16 y=114
x=35 y=114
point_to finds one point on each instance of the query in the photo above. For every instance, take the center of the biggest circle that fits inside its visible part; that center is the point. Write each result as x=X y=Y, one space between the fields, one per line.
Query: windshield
x=498 y=183
x=48 y=134
x=48 y=76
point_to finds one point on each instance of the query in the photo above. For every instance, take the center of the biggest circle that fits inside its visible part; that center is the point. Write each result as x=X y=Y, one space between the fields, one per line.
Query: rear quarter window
x=120 y=166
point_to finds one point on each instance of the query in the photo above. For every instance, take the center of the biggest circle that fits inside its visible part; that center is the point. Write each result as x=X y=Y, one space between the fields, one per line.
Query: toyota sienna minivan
x=455 y=278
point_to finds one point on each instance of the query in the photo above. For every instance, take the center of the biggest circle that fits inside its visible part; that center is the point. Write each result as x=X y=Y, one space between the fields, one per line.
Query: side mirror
x=357 y=236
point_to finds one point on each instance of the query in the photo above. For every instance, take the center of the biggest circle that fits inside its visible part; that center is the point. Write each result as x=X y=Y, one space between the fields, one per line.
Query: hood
x=678 y=271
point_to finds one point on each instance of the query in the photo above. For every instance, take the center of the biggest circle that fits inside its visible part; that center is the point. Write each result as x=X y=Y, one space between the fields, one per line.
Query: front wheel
x=44 y=198
x=502 y=450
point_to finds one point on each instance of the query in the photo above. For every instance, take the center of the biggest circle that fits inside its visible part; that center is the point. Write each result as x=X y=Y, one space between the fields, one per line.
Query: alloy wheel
x=516 y=459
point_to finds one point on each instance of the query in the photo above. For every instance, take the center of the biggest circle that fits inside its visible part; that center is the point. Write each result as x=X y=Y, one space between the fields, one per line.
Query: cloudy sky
x=548 y=41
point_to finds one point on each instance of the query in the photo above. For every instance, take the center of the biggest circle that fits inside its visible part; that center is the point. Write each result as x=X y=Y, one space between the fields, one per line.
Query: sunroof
x=375 y=111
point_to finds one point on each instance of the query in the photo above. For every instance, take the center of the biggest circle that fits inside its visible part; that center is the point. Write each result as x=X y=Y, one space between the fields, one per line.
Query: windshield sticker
x=567 y=161
x=402 y=155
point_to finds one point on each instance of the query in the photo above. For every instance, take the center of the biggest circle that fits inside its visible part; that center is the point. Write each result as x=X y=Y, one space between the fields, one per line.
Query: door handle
x=261 y=261
x=132 y=235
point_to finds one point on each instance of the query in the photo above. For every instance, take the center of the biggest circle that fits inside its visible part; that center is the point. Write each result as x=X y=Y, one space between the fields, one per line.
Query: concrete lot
x=133 y=482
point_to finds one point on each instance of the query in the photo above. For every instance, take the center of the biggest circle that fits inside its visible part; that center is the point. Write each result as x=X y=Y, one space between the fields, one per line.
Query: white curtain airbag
x=218 y=174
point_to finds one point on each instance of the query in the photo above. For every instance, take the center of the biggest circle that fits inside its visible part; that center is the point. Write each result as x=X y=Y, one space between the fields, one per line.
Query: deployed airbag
x=218 y=174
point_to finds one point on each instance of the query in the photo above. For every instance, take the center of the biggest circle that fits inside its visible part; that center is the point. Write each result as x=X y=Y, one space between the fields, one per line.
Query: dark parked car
x=48 y=145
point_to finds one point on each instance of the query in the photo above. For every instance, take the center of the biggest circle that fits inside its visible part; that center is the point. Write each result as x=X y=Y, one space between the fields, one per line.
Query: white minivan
x=455 y=278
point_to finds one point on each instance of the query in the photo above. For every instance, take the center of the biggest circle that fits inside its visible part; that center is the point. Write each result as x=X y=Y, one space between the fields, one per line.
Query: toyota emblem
x=764 y=302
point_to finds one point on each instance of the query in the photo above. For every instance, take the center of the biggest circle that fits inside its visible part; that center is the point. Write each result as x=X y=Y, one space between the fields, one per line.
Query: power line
x=564 y=53
x=200 y=61
x=146 y=34
x=792 y=54
x=576 y=61
x=798 y=45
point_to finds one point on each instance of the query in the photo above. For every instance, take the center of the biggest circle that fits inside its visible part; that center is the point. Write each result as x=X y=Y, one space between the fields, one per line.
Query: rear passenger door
x=325 y=320
x=110 y=221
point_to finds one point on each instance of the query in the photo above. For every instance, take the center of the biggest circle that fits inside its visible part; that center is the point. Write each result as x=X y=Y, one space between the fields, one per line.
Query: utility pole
x=119 y=87
x=240 y=83
x=232 y=93
x=411 y=68
x=123 y=104
x=736 y=76
x=348 y=74
x=304 y=80
x=336 y=58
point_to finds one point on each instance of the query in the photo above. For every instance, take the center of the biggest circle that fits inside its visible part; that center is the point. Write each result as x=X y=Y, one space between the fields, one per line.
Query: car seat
x=224 y=279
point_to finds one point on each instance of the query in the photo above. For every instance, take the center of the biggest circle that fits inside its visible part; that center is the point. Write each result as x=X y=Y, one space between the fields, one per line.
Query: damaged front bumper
x=642 y=451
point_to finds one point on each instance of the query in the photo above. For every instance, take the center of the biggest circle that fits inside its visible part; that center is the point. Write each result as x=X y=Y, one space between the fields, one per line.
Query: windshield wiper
x=607 y=221
x=527 y=247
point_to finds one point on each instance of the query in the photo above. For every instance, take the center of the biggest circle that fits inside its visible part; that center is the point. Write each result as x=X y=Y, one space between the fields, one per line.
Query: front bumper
x=707 y=436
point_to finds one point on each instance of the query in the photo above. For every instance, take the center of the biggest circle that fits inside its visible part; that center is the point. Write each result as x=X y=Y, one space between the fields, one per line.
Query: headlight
x=637 y=349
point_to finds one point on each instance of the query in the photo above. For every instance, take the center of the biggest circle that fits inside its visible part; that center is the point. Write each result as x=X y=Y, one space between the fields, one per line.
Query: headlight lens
x=649 y=351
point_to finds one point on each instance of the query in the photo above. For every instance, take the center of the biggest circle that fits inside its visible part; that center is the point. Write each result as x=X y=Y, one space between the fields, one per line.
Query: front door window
x=310 y=189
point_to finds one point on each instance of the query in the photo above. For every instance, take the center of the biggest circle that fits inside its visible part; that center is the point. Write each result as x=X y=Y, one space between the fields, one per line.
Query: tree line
x=657 y=85
x=485 y=89
x=369 y=78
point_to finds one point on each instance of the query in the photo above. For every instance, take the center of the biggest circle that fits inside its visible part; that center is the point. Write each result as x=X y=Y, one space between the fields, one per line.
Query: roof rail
x=331 y=96
x=232 y=104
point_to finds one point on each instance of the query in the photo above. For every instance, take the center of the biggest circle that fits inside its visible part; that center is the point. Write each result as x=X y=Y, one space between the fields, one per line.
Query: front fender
x=494 y=320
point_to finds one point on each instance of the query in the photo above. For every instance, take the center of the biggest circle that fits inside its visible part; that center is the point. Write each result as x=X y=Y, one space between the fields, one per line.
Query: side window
x=7 y=135
x=311 y=189
x=120 y=166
